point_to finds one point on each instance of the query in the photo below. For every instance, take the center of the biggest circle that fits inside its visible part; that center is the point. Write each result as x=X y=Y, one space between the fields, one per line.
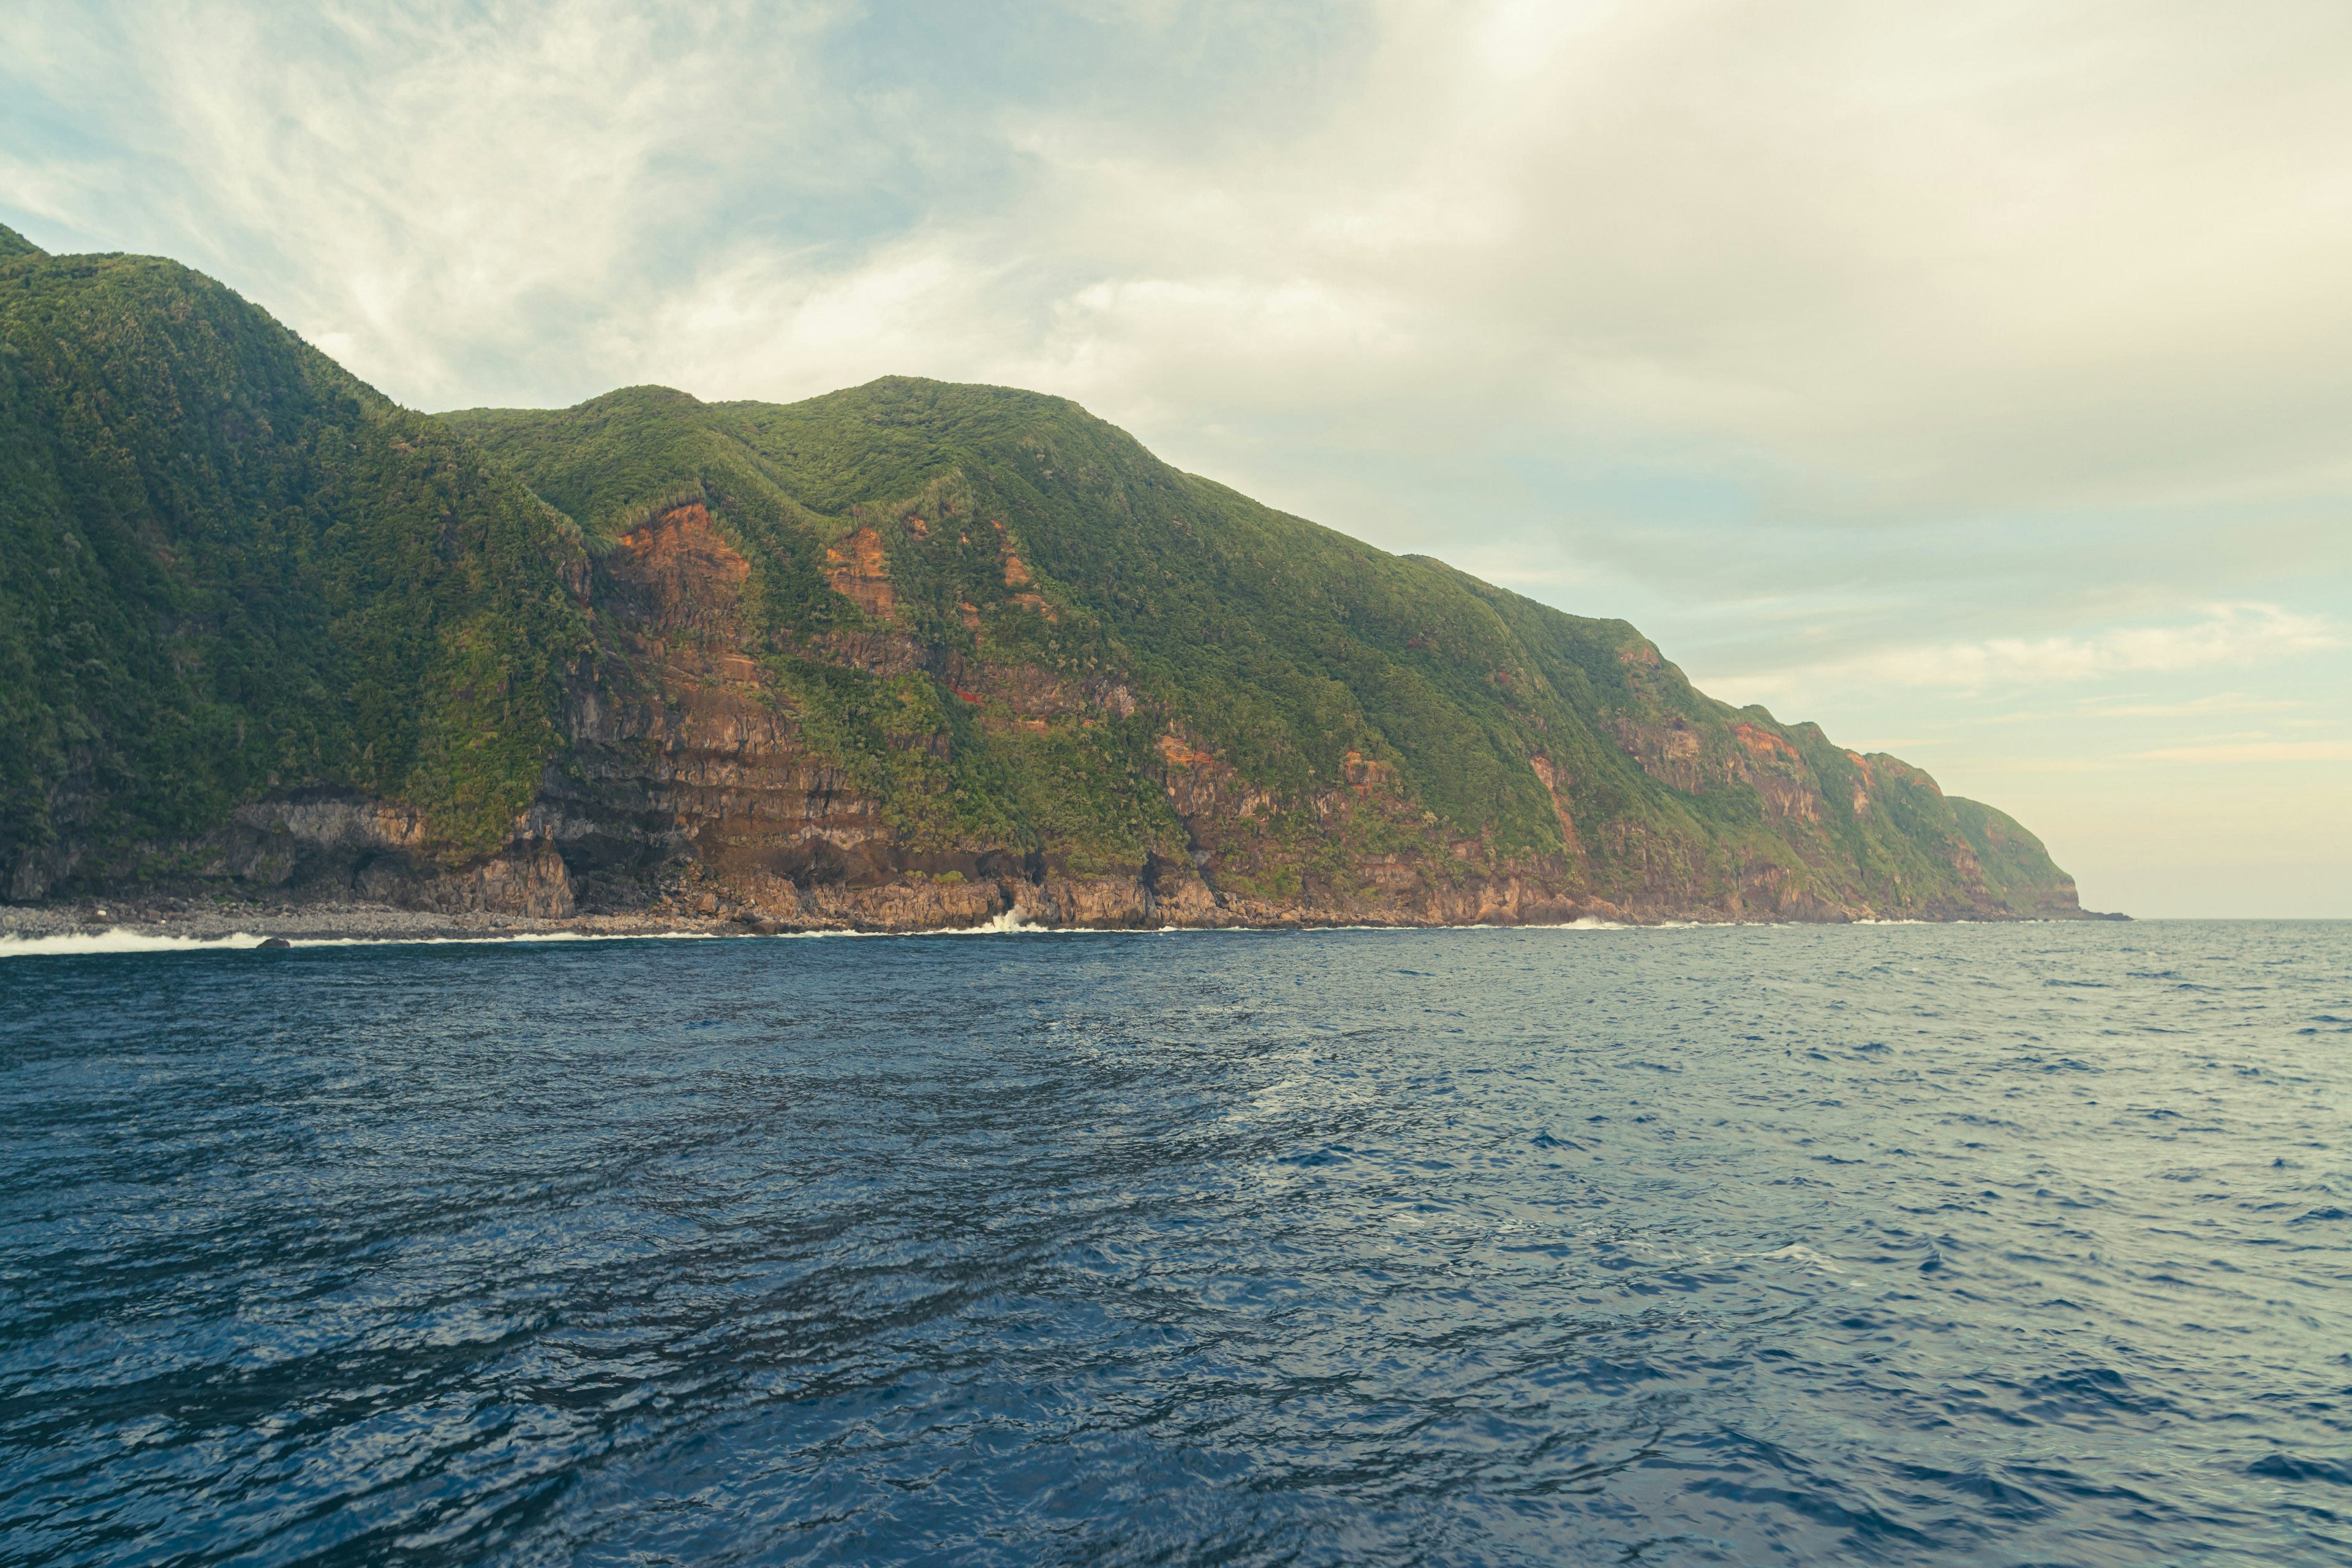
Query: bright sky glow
x=1974 y=380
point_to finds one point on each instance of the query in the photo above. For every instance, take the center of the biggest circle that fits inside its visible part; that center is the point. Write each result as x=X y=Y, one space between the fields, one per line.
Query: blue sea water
x=1904 y=1245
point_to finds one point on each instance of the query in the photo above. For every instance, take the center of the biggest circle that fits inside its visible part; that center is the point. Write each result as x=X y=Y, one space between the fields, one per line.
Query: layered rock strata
x=690 y=794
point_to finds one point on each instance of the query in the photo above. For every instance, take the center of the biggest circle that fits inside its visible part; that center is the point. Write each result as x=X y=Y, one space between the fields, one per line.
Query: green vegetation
x=228 y=567
x=1278 y=646
x=2016 y=866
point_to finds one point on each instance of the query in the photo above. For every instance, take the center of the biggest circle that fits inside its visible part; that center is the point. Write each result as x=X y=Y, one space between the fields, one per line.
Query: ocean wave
x=121 y=938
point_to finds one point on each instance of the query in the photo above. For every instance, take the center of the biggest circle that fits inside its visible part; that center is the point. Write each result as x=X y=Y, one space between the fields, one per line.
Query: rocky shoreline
x=214 y=921
x=218 y=921
x=201 y=921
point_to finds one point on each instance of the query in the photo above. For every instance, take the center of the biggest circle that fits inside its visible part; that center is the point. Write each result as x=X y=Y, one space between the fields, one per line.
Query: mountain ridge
x=909 y=654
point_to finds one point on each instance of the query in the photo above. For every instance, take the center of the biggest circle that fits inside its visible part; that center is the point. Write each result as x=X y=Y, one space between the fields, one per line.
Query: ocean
x=2022 y=1243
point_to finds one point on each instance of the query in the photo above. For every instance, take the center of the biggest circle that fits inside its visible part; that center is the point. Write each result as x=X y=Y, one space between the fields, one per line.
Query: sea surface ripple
x=1904 y=1244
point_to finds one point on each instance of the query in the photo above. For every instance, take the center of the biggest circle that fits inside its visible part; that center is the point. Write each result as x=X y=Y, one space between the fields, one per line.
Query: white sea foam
x=1005 y=924
x=120 y=940
x=487 y=939
x=1797 y=1252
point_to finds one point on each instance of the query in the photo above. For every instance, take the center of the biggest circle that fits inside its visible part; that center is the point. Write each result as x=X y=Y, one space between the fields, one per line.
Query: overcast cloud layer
x=1976 y=381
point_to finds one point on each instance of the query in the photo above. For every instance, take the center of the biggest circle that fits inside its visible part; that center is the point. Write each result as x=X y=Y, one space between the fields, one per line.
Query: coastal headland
x=282 y=655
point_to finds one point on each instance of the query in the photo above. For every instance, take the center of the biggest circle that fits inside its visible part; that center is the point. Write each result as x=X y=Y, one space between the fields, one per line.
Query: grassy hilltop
x=974 y=628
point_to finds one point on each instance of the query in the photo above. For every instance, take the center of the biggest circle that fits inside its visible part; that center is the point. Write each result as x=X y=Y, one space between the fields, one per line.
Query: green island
x=911 y=655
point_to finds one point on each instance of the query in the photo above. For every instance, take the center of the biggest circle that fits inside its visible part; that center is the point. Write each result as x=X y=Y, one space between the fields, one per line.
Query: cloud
x=432 y=189
x=2230 y=635
x=1872 y=259
x=2198 y=708
x=1878 y=259
x=2252 y=752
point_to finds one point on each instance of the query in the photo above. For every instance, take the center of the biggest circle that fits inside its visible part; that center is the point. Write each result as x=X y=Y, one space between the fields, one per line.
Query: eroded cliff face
x=331 y=845
x=696 y=791
x=692 y=787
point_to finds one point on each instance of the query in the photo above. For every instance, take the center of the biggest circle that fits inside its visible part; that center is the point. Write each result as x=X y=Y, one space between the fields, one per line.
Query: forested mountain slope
x=229 y=571
x=911 y=654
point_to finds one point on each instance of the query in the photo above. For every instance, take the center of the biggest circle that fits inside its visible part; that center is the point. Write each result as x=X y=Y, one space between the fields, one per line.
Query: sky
x=1974 y=381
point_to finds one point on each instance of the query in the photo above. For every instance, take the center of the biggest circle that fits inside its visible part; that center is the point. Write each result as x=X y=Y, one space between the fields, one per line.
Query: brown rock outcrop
x=858 y=568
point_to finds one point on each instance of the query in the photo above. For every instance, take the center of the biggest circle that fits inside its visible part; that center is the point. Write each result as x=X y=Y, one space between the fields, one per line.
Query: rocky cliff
x=908 y=656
